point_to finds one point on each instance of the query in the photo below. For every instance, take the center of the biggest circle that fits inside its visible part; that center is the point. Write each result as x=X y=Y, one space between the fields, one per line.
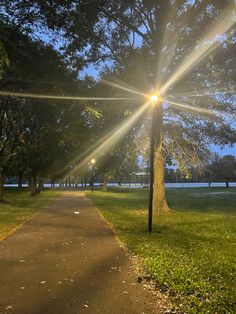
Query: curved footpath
x=67 y=260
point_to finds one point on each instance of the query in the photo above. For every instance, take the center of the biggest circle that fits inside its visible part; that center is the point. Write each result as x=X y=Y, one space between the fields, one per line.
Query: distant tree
x=223 y=168
x=15 y=133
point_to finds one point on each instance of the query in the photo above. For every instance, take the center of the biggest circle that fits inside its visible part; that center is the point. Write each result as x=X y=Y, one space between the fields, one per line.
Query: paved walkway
x=66 y=262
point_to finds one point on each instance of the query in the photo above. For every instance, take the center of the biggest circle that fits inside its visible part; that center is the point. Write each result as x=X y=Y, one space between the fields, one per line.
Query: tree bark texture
x=40 y=185
x=159 y=195
x=20 y=179
x=33 y=185
x=104 y=185
x=1 y=185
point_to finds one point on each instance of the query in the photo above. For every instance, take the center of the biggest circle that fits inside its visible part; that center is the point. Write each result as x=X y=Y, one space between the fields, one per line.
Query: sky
x=226 y=150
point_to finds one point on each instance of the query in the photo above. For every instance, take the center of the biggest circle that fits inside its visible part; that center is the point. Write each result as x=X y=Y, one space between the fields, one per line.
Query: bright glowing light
x=41 y=96
x=114 y=137
x=154 y=99
x=210 y=42
x=93 y=161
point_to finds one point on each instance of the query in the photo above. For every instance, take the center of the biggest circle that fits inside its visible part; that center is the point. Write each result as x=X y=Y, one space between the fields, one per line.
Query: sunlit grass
x=191 y=251
x=20 y=206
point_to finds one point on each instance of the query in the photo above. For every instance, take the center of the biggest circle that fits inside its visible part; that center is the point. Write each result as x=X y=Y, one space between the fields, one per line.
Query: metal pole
x=92 y=176
x=150 y=209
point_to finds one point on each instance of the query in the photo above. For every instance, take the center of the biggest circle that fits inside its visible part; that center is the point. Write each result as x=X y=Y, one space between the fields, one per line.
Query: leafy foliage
x=4 y=61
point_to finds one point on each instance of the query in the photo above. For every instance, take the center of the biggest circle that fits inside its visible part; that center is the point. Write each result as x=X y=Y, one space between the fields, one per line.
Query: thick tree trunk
x=40 y=186
x=1 y=186
x=33 y=185
x=104 y=185
x=159 y=196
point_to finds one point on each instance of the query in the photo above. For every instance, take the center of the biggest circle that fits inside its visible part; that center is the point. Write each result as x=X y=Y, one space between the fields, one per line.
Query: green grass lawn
x=191 y=252
x=20 y=207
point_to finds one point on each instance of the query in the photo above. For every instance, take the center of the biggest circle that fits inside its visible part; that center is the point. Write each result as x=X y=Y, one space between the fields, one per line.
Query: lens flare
x=204 y=111
x=124 y=88
x=110 y=141
x=192 y=108
x=76 y=160
x=209 y=43
x=41 y=96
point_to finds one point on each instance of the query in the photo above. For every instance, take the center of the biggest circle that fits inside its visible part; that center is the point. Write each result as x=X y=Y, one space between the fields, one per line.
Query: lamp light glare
x=154 y=99
x=93 y=161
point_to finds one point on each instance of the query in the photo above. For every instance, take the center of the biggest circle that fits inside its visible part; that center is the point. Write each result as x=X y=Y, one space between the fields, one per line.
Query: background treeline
x=218 y=169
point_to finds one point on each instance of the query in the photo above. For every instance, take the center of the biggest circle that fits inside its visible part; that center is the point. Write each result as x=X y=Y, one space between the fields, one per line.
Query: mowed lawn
x=20 y=206
x=191 y=253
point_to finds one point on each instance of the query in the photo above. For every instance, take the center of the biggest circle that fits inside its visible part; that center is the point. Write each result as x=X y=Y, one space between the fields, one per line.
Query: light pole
x=93 y=161
x=154 y=101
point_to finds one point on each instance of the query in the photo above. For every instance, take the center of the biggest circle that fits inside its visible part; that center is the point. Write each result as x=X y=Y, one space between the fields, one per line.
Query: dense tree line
x=218 y=169
x=44 y=138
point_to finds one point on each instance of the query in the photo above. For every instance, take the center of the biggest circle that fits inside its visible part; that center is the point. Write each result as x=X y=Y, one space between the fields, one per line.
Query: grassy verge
x=20 y=207
x=191 y=251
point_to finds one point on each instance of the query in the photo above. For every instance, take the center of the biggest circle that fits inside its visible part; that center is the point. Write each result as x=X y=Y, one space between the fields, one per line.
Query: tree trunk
x=40 y=186
x=159 y=196
x=226 y=182
x=33 y=185
x=104 y=185
x=20 y=179
x=1 y=186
